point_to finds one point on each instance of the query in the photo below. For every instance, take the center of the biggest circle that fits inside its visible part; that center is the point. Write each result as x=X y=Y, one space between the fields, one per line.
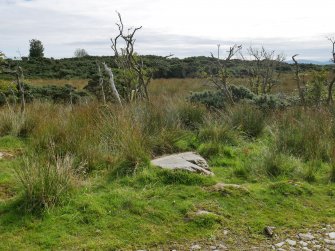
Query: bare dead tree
x=112 y=83
x=332 y=81
x=300 y=82
x=135 y=78
x=220 y=79
x=263 y=71
x=19 y=78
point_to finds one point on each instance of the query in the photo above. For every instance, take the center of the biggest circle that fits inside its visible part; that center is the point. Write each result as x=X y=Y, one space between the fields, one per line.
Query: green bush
x=270 y=101
x=211 y=99
x=216 y=99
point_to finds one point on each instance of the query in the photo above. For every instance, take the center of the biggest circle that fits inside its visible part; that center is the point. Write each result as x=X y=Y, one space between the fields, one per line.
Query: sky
x=179 y=27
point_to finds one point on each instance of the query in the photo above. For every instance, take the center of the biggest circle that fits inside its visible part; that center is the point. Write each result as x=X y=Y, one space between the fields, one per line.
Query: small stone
x=203 y=212
x=317 y=247
x=306 y=237
x=331 y=242
x=281 y=249
x=268 y=231
x=195 y=247
x=280 y=244
x=291 y=242
x=212 y=247
x=189 y=161
x=225 y=232
x=306 y=248
x=332 y=235
x=222 y=247
x=304 y=244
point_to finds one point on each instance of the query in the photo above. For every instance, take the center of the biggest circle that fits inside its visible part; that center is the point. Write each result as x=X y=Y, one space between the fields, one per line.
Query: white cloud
x=187 y=27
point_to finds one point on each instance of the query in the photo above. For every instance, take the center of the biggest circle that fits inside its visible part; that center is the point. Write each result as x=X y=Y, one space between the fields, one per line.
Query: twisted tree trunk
x=112 y=84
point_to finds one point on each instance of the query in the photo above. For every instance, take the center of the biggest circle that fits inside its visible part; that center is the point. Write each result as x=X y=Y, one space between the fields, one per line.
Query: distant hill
x=313 y=62
x=86 y=68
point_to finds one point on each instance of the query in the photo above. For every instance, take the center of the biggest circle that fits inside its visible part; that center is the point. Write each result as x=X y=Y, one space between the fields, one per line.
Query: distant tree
x=263 y=71
x=134 y=77
x=301 y=84
x=2 y=56
x=220 y=75
x=2 y=59
x=79 y=53
x=36 y=49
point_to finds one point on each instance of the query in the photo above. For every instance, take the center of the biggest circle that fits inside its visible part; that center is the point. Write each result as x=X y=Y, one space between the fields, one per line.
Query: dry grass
x=180 y=87
x=78 y=83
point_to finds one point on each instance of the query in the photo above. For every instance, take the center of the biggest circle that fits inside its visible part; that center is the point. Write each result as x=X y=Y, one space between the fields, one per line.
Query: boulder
x=188 y=161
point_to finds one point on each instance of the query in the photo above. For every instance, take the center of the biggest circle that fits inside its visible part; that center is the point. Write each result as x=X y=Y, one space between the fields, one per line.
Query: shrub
x=211 y=99
x=216 y=99
x=241 y=92
x=45 y=183
x=269 y=101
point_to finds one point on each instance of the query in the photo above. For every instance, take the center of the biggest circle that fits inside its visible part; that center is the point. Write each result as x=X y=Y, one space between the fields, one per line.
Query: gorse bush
x=216 y=99
x=46 y=182
x=211 y=99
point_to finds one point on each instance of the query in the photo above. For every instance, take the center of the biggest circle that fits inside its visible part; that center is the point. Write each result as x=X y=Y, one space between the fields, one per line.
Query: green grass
x=156 y=208
x=118 y=201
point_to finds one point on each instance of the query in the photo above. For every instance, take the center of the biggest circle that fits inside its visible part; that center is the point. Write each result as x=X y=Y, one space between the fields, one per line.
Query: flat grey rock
x=188 y=161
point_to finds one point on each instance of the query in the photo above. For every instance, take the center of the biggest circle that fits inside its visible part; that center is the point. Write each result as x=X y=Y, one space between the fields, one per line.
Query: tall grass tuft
x=248 y=119
x=305 y=134
x=46 y=183
x=15 y=123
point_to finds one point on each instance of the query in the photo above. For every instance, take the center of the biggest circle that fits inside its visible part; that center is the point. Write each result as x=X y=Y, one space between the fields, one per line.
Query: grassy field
x=79 y=177
x=168 y=86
